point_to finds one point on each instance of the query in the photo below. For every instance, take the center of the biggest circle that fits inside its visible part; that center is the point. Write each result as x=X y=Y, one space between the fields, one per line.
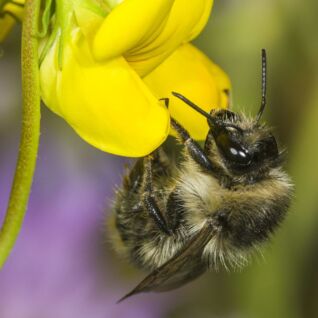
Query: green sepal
x=46 y=18
x=60 y=16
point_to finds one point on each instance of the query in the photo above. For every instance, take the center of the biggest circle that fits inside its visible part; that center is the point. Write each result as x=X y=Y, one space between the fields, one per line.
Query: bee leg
x=166 y=101
x=160 y=163
x=133 y=180
x=160 y=167
x=194 y=149
x=208 y=142
x=149 y=201
x=175 y=209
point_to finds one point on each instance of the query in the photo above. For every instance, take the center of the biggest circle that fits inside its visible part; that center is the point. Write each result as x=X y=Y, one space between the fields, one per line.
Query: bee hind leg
x=149 y=200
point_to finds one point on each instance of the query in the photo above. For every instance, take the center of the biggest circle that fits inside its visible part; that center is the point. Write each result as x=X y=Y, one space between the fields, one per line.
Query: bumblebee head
x=241 y=145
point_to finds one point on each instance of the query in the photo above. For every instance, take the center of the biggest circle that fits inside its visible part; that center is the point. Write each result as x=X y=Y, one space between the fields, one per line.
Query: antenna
x=194 y=106
x=212 y=121
x=264 y=75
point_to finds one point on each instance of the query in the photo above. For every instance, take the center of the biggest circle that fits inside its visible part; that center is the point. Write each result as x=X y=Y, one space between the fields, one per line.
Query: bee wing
x=180 y=269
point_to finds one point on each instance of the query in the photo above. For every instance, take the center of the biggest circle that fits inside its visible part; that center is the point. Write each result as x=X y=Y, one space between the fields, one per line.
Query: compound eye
x=232 y=150
x=267 y=149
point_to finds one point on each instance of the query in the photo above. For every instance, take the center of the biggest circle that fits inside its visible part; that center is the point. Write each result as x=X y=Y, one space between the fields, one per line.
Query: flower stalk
x=30 y=133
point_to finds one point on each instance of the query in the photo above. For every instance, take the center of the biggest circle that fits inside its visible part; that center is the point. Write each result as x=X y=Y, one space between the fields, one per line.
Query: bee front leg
x=194 y=149
x=149 y=200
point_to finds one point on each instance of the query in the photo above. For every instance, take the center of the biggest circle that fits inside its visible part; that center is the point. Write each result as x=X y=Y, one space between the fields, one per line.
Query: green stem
x=30 y=132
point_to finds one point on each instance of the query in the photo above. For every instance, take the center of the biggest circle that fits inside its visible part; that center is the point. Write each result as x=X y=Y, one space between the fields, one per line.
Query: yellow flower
x=191 y=73
x=109 y=65
x=9 y=14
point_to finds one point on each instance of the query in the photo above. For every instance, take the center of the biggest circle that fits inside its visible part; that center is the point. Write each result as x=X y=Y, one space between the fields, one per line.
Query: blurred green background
x=284 y=282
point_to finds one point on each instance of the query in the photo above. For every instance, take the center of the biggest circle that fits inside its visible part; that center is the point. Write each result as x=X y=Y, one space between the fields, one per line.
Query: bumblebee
x=212 y=208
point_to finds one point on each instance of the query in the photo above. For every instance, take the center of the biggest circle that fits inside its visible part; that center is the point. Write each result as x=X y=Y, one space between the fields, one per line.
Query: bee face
x=242 y=144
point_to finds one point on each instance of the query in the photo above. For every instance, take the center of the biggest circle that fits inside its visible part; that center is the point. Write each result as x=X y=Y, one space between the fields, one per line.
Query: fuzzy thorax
x=246 y=214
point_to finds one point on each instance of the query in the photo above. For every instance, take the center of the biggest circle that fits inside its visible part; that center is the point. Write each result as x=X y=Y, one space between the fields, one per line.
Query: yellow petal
x=87 y=20
x=186 y=19
x=128 y=24
x=189 y=72
x=147 y=32
x=223 y=83
x=106 y=103
x=201 y=21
